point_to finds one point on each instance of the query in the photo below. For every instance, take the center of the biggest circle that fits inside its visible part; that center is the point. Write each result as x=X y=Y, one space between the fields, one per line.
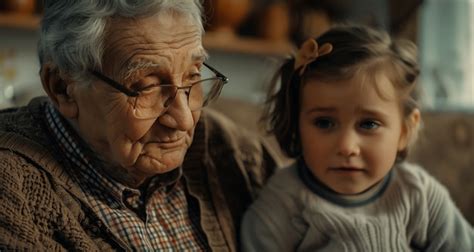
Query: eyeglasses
x=152 y=100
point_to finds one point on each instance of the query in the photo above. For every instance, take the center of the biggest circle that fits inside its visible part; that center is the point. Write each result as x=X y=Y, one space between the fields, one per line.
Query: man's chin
x=148 y=164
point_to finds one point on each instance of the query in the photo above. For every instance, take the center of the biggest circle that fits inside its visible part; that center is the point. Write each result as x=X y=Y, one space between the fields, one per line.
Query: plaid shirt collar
x=87 y=162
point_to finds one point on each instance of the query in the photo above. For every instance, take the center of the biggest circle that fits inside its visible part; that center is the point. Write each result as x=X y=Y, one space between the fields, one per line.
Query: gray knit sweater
x=43 y=209
x=414 y=212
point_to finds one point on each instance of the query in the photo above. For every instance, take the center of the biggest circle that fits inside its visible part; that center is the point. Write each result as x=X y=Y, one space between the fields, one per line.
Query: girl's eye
x=369 y=125
x=324 y=123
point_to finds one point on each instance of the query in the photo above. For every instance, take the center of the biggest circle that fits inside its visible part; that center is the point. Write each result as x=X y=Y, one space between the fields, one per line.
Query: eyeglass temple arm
x=218 y=74
x=115 y=84
x=133 y=93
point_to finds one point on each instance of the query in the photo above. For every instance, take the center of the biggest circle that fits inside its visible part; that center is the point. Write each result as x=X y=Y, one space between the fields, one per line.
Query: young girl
x=346 y=111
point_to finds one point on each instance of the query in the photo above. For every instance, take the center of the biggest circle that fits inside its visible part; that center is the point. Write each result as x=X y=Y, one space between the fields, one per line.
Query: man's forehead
x=135 y=42
x=200 y=54
x=164 y=24
x=193 y=56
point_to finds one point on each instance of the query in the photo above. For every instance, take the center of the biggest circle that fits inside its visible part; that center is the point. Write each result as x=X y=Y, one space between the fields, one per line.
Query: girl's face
x=350 y=133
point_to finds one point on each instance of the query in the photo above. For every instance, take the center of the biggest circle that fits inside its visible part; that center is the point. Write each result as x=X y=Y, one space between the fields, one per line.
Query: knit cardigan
x=42 y=208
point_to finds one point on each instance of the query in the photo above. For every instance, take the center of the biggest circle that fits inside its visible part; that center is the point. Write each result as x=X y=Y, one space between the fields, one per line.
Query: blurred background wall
x=248 y=38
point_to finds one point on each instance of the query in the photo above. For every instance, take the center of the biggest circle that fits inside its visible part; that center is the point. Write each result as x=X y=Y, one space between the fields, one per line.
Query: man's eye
x=324 y=123
x=195 y=77
x=147 y=88
x=369 y=125
x=145 y=84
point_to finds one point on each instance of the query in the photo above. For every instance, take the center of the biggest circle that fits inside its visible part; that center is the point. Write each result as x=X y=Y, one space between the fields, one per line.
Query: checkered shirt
x=158 y=218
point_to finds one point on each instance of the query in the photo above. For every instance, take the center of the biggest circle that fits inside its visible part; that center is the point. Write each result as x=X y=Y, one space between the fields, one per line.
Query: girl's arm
x=260 y=234
x=269 y=223
x=447 y=230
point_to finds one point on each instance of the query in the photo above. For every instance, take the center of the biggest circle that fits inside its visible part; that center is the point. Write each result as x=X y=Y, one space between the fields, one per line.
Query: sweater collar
x=319 y=188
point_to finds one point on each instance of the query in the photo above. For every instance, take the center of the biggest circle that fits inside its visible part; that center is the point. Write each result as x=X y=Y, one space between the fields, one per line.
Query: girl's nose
x=348 y=144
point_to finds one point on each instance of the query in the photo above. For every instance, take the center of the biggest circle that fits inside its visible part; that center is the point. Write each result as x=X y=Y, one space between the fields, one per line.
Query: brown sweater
x=43 y=209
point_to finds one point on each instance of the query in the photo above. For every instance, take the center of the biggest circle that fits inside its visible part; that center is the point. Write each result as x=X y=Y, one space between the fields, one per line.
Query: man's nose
x=348 y=144
x=178 y=114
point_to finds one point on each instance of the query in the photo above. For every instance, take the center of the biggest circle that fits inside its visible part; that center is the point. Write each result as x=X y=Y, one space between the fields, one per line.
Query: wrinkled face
x=350 y=135
x=165 y=49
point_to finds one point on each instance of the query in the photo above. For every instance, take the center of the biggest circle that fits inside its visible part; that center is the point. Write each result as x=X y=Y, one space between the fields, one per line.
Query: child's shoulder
x=286 y=176
x=413 y=173
x=413 y=177
x=285 y=183
x=283 y=191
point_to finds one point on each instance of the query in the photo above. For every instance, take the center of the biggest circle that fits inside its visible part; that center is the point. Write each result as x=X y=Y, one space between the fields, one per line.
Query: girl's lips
x=347 y=169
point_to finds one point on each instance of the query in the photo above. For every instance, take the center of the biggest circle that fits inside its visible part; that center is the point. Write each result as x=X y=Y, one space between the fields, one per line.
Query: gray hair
x=73 y=32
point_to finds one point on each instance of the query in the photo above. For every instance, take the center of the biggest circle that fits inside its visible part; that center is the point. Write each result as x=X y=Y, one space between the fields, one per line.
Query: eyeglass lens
x=152 y=102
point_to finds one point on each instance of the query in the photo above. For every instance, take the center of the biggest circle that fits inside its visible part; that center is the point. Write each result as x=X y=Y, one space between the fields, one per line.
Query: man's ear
x=409 y=129
x=59 y=90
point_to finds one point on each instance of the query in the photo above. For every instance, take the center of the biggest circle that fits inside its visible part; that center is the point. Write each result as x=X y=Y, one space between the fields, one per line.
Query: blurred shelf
x=212 y=40
x=236 y=44
x=19 y=21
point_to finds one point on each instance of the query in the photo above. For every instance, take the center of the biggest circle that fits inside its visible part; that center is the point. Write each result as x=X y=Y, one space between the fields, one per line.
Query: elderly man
x=106 y=163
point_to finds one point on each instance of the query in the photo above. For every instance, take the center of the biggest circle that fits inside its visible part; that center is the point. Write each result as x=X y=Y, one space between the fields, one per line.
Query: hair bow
x=309 y=52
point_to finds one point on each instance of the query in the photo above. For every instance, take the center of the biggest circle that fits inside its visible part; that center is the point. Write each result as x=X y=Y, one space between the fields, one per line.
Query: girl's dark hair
x=357 y=50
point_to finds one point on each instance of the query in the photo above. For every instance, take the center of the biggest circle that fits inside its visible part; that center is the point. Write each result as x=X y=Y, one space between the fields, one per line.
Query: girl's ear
x=409 y=129
x=59 y=90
